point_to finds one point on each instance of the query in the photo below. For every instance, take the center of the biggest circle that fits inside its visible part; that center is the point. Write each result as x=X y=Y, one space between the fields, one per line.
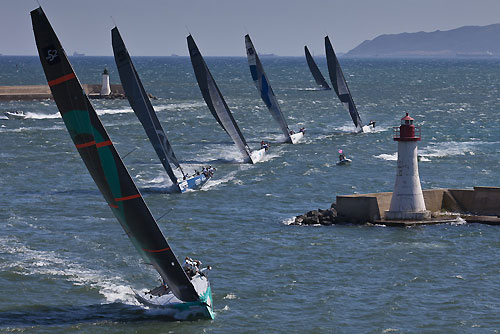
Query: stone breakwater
x=319 y=217
x=478 y=205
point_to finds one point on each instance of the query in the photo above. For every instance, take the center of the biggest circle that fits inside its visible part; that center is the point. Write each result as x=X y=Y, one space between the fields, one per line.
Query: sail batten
x=264 y=87
x=103 y=162
x=340 y=85
x=214 y=99
x=318 y=77
x=140 y=103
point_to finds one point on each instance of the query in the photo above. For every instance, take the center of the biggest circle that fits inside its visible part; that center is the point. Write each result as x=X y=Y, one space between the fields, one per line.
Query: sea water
x=66 y=266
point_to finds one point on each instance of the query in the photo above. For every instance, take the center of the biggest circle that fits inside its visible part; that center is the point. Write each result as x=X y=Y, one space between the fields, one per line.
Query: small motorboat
x=15 y=114
x=345 y=161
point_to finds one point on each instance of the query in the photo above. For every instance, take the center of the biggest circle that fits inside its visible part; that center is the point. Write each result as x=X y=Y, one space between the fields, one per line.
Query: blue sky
x=283 y=27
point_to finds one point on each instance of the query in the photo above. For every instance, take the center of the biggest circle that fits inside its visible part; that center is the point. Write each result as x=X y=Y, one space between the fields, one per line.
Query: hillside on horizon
x=466 y=41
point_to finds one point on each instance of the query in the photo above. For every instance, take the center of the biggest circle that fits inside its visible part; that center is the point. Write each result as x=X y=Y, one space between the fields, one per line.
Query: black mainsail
x=103 y=162
x=264 y=87
x=140 y=103
x=214 y=99
x=340 y=85
x=318 y=77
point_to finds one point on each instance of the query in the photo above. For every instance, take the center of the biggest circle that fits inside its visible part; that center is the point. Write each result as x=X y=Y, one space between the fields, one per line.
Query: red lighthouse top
x=407 y=131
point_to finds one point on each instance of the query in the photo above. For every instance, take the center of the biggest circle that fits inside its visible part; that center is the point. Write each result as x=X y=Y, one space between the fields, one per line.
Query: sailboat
x=217 y=105
x=341 y=89
x=143 y=109
x=318 y=77
x=181 y=296
x=266 y=92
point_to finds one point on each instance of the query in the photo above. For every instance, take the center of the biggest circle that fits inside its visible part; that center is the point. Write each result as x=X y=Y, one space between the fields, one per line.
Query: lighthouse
x=105 y=89
x=407 y=201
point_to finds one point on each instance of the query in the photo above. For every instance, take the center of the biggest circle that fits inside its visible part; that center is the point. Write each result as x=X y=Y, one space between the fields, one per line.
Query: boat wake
x=50 y=264
x=312 y=89
x=388 y=157
x=349 y=128
x=34 y=115
x=39 y=315
x=215 y=183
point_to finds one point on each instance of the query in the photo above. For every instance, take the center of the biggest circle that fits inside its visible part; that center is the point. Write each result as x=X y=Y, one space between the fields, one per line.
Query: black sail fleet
x=217 y=105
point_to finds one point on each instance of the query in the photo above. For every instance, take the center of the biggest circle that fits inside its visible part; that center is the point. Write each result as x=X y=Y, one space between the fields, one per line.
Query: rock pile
x=318 y=217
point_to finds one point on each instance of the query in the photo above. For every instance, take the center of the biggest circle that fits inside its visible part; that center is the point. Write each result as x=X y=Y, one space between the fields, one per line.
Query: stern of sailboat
x=296 y=137
x=257 y=155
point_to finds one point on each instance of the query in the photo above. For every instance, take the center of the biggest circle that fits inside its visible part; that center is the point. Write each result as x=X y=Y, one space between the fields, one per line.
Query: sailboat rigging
x=143 y=109
x=318 y=77
x=266 y=92
x=184 y=296
x=341 y=89
x=217 y=105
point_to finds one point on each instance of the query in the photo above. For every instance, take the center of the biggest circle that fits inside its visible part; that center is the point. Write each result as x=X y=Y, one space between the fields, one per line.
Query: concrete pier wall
x=371 y=207
x=41 y=92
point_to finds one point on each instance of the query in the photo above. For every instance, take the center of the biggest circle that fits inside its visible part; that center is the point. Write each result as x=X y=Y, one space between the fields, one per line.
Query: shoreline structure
x=42 y=92
x=477 y=205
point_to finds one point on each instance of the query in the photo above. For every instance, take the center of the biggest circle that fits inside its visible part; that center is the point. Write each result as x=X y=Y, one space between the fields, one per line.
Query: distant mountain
x=468 y=41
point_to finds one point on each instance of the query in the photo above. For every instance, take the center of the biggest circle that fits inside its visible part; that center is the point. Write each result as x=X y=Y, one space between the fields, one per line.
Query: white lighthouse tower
x=407 y=199
x=105 y=88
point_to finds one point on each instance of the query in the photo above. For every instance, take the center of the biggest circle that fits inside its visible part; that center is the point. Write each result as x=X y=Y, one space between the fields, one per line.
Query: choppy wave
x=445 y=149
x=179 y=106
x=218 y=180
x=114 y=111
x=442 y=150
x=49 y=263
x=31 y=128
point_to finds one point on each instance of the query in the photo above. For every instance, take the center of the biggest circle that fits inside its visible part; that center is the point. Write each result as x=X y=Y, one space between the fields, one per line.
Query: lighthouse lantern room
x=407 y=201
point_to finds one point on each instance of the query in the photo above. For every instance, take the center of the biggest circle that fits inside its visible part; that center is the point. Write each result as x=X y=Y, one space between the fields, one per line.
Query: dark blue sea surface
x=66 y=266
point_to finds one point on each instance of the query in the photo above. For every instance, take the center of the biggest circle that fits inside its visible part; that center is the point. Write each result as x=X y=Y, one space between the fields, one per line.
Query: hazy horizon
x=159 y=28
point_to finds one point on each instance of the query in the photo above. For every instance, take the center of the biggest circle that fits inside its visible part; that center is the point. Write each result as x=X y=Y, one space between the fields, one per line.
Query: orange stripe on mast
x=104 y=143
x=87 y=144
x=126 y=198
x=91 y=143
x=156 y=250
x=62 y=79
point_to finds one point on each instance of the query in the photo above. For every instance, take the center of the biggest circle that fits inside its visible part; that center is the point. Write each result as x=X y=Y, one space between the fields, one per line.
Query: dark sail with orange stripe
x=104 y=163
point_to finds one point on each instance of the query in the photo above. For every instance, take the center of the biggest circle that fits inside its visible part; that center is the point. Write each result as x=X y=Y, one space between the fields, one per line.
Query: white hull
x=367 y=128
x=178 y=309
x=195 y=182
x=257 y=155
x=14 y=115
x=296 y=137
